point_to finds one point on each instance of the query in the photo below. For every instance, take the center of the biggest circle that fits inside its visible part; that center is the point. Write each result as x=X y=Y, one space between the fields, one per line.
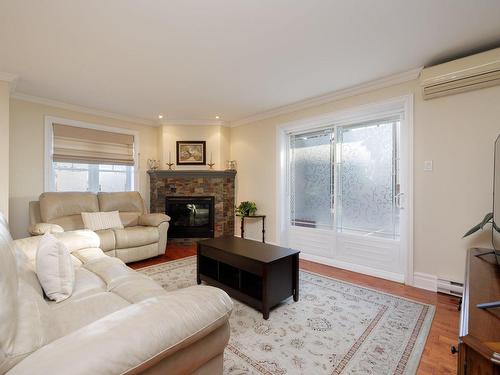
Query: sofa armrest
x=153 y=220
x=141 y=334
x=39 y=229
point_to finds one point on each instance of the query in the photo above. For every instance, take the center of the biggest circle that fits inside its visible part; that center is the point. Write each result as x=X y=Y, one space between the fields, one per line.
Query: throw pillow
x=102 y=220
x=54 y=268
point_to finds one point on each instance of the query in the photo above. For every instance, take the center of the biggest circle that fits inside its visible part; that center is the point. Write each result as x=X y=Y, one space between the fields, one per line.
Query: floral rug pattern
x=335 y=328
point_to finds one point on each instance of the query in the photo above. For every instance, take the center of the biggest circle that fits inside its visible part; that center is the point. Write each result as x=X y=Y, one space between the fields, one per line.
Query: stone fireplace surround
x=180 y=183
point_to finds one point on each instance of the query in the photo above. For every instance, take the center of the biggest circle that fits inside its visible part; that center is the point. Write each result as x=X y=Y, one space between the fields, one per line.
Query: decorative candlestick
x=169 y=161
x=211 y=164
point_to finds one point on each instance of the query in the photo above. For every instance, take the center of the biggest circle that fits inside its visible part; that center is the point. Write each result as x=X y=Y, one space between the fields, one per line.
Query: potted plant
x=246 y=208
x=488 y=218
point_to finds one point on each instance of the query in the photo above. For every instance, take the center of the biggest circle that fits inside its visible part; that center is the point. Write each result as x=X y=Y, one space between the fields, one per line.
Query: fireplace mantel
x=194 y=173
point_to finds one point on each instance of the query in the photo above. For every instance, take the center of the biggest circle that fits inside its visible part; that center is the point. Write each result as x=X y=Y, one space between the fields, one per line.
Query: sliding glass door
x=345 y=195
x=311 y=179
x=367 y=163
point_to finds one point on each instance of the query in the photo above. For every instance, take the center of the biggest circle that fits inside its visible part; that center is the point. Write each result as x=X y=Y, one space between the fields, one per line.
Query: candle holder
x=169 y=166
x=211 y=165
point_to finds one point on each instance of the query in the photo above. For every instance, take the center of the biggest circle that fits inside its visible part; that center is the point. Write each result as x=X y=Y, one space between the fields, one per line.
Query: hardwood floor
x=436 y=358
x=173 y=252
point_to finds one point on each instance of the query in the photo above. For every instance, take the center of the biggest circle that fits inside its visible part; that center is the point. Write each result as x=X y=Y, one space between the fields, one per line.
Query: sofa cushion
x=85 y=310
x=57 y=205
x=137 y=288
x=88 y=254
x=134 y=254
x=136 y=236
x=108 y=240
x=54 y=268
x=109 y=269
x=69 y=223
x=130 y=201
x=86 y=283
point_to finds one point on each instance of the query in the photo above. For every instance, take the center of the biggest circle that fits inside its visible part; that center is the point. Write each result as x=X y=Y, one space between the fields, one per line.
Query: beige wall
x=456 y=132
x=4 y=148
x=27 y=154
x=216 y=138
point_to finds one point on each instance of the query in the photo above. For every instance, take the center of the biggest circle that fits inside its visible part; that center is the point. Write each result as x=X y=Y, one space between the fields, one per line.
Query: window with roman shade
x=73 y=144
x=89 y=159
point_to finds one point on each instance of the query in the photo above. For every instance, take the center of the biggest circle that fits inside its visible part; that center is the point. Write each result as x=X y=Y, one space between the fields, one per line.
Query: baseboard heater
x=450 y=287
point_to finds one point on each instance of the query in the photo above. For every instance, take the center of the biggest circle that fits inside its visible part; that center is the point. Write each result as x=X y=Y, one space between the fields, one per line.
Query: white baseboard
x=354 y=267
x=449 y=287
x=258 y=240
x=425 y=281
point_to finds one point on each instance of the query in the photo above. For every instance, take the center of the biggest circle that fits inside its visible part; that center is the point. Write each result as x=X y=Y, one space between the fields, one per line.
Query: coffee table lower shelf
x=235 y=293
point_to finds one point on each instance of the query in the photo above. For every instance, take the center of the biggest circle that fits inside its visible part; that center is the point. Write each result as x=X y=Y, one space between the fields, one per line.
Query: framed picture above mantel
x=191 y=153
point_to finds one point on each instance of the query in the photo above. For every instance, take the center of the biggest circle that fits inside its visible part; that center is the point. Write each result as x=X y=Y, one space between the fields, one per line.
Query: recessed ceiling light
x=217 y=117
x=160 y=116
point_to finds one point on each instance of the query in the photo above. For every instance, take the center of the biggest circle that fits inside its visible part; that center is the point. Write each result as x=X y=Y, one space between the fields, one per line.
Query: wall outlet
x=428 y=165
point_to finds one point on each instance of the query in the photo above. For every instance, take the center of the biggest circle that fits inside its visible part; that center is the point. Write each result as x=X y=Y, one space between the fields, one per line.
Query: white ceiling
x=192 y=59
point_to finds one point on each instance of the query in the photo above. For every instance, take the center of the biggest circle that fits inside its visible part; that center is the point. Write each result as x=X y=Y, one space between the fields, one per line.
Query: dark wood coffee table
x=257 y=274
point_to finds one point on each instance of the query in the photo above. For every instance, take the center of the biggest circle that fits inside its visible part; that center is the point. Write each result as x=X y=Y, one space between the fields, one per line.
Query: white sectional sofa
x=117 y=321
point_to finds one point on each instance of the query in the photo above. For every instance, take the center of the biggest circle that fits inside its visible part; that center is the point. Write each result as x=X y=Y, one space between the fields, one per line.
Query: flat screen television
x=495 y=232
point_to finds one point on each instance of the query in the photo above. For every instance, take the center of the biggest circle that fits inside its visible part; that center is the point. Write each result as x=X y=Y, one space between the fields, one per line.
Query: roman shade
x=83 y=145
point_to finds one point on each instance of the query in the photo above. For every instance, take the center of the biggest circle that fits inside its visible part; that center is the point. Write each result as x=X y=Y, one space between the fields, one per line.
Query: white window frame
x=342 y=117
x=48 y=181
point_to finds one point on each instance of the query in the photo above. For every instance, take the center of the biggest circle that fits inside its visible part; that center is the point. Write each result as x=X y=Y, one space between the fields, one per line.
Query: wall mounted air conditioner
x=461 y=75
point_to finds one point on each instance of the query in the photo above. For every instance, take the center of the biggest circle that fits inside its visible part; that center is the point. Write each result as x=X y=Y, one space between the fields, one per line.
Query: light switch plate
x=428 y=165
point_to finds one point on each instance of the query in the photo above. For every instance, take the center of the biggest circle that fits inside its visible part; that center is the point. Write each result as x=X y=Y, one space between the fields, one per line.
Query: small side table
x=263 y=217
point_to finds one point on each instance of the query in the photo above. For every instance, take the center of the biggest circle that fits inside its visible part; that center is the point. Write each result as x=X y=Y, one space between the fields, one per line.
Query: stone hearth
x=180 y=183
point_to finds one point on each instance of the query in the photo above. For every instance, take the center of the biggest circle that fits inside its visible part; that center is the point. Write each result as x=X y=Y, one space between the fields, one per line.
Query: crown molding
x=78 y=108
x=289 y=108
x=362 y=88
x=173 y=122
x=11 y=79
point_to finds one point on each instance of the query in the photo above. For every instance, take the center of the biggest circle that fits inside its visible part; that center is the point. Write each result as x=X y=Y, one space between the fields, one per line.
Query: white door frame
x=361 y=113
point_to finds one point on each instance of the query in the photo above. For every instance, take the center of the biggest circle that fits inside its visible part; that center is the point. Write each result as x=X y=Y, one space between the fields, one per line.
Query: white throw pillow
x=102 y=220
x=54 y=268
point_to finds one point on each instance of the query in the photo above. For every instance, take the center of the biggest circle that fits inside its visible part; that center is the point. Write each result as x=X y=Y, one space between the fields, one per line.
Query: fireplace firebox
x=190 y=217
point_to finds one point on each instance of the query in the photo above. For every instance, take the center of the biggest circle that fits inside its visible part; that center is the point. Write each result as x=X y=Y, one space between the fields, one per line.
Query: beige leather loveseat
x=117 y=321
x=143 y=236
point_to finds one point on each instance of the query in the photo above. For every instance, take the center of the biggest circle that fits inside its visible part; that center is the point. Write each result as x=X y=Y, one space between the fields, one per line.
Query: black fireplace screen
x=191 y=217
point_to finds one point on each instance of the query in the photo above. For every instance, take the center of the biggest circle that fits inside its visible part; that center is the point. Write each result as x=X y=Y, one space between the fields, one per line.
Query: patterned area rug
x=335 y=328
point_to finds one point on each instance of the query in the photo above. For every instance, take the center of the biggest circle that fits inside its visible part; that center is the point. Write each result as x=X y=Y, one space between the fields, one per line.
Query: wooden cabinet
x=479 y=341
